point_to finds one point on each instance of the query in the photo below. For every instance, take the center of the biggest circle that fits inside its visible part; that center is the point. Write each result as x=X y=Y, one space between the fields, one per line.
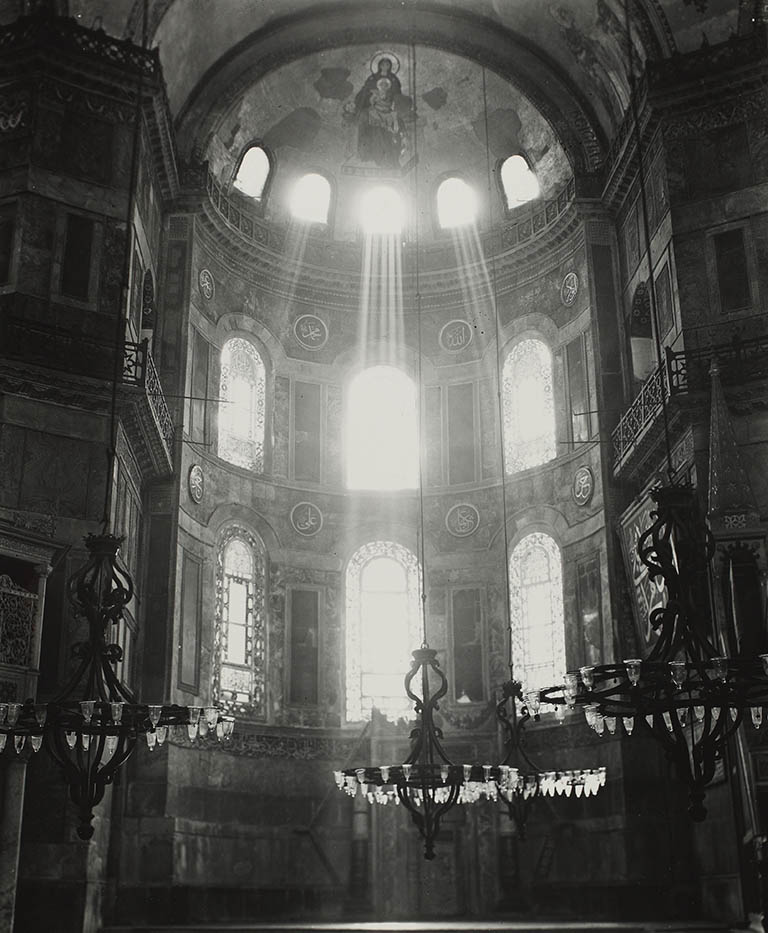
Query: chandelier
x=688 y=695
x=92 y=725
x=529 y=783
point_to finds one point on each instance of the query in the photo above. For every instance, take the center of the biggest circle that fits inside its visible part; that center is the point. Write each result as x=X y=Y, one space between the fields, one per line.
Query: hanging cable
x=647 y=238
x=420 y=400
x=499 y=370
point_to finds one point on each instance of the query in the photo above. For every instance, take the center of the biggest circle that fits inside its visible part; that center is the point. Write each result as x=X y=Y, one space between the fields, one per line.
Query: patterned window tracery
x=240 y=649
x=529 y=410
x=536 y=611
x=242 y=392
x=383 y=627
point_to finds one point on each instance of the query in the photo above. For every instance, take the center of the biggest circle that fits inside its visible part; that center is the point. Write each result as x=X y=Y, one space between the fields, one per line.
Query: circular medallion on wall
x=310 y=331
x=207 y=285
x=583 y=485
x=455 y=336
x=306 y=519
x=462 y=519
x=569 y=289
x=196 y=482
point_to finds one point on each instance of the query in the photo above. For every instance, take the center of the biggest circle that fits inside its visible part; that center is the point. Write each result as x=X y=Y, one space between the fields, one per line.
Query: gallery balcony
x=681 y=380
x=144 y=410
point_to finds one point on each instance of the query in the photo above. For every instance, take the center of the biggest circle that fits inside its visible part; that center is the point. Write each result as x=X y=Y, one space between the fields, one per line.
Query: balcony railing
x=640 y=414
x=686 y=371
x=139 y=370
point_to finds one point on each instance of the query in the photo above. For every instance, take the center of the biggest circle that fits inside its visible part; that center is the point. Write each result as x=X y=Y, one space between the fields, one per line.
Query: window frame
x=484 y=650
x=448 y=232
x=257 y=203
x=753 y=309
x=509 y=350
x=508 y=209
x=263 y=357
x=252 y=710
x=520 y=670
x=352 y=666
x=317 y=226
x=288 y=653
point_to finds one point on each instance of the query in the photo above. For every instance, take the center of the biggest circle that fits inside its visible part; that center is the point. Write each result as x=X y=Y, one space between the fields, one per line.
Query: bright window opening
x=311 y=199
x=529 y=411
x=518 y=181
x=241 y=410
x=382 y=629
x=456 y=204
x=381 y=430
x=253 y=173
x=239 y=661
x=536 y=608
x=382 y=210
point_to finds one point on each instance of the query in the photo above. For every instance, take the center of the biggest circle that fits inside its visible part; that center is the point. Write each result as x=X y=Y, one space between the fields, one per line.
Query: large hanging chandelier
x=93 y=724
x=686 y=693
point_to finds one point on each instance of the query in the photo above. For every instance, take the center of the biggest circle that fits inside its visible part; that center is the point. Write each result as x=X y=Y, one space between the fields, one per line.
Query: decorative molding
x=247 y=744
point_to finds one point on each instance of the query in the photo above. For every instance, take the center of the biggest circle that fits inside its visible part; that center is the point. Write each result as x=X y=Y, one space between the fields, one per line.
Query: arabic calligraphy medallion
x=196 y=482
x=583 y=485
x=569 y=289
x=462 y=520
x=207 y=285
x=306 y=519
x=455 y=336
x=310 y=331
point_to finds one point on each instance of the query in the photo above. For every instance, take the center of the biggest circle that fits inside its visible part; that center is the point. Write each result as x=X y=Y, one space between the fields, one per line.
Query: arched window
x=253 y=172
x=518 y=181
x=241 y=406
x=529 y=411
x=456 y=203
x=381 y=430
x=536 y=611
x=239 y=647
x=311 y=198
x=383 y=627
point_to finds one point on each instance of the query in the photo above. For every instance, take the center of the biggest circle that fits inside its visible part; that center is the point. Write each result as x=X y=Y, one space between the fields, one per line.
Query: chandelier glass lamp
x=685 y=693
x=92 y=725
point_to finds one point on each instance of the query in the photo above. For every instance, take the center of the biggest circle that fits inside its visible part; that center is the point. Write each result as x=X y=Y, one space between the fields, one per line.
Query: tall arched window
x=241 y=409
x=240 y=636
x=529 y=411
x=253 y=172
x=383 y=627
x=381 y=430
x=536 y=611
x=518 y=181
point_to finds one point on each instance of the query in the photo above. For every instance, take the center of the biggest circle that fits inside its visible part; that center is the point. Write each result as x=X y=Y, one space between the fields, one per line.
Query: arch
x=383 y=625
x=311 y=198
x=550 y=88
x=537 y=619
x=253 y=172
x=240 y=628
x=456 y=202
x=242 y=405
x=518 y=181
x=381 y=430
x=528 y=404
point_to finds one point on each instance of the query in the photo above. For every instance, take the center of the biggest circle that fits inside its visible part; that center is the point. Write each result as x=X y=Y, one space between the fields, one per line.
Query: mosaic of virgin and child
x=380 y=112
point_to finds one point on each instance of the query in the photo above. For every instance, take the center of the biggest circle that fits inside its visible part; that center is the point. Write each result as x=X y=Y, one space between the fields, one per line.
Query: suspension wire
x=123 y=310
x=647 y=239
x=499 y=397
x=420 y=399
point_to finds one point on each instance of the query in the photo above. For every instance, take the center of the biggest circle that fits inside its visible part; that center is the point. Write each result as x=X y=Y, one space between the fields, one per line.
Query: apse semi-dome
x=398 y=115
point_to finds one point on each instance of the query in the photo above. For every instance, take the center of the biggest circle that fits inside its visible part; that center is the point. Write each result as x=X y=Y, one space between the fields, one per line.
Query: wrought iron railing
x=688 y=371
x=640 y=414
x=139 y=370
x=17 y=619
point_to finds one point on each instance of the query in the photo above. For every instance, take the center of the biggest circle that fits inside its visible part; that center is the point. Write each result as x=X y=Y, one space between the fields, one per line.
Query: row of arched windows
x=381 y=422
x=382 y=622
x=455 y=200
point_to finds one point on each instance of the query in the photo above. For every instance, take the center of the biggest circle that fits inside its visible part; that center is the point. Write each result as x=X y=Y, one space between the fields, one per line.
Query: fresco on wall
x=380 y=113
